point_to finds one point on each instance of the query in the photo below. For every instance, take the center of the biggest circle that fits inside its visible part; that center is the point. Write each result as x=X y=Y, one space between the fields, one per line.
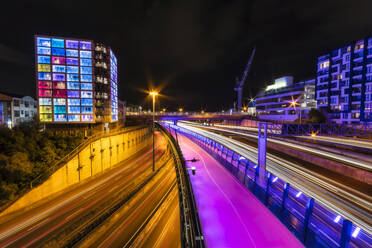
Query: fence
x=311 y=222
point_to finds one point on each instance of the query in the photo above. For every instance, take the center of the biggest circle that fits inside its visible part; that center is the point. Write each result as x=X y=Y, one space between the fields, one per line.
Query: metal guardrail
x=191 y=233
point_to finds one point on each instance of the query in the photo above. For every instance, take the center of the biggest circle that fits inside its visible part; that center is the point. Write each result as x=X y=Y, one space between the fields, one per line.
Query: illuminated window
x=59 y=68
x=73 y=77
x=43 y=50
x=85 y=62
x=85 y=78
x=71 y=61
x=43 y=68
x=73 y=93
x=59 y=101
x=59 y=85
x=86 y=94
x=324 y=64
x=60 y=117
x=44 y=76
x=58 y=51
x=72 y=53
x=74 y=102
x=43 y=59
x=73 y=86
x=74 y=109
x=46 y=117
x=72 y=44
x=73 y=118
x=85 y=45
x=85 y=54
x=87 y=118
x=58 y=43
x=59 y=93
x=86 y=86
x=45 y=109
x=59 y=109
x=72 y=69
x=86 y=102
x=87 y=110
x=85 y=70
x=44 y=42
x=339 y=76
x=59 y=60
x=59 y=77
x=45 y=101
x=45 y=85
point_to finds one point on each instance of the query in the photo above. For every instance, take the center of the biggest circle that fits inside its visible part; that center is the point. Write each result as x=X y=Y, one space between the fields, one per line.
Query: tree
x=316 y=116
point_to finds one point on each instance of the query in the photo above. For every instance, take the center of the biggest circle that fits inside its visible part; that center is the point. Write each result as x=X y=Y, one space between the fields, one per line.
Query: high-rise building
x=286 y=101
x=344 y=83
x=69 y=79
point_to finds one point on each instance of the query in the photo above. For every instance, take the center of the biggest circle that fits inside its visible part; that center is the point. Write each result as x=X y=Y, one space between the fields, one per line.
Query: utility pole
x=153 y=94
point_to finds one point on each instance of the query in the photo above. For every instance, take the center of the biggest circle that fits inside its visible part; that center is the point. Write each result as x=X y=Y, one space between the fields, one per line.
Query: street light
x=153 y=94
x=294 y=103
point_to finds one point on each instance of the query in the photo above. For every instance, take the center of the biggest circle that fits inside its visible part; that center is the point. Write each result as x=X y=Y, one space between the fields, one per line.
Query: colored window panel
x=73 y=93
x=73 y=77
x=46 y=117
x=58 y=60
x=43 y=68
x=47 y=93
x=45 y=101
x=72 y=69
x=114 y=117
x=44 y=76
x=43 y=42
x=73 y=86
x=59 y=101
x=73 y=118
x=43 y=50
x=43 y=59
x=45 y=109
x=45 y=85
x=85 y=62
x=87 y=118
x=59 y=77
x=71 y=61
x=86 y=78
x=73 y=102
x=86 y=94
x=86 y=102
x=85 y=45
x=58 y=43
x=59 y=93
x=86 y=86
x=85 y=70
x=85 y=54
x=59 y=109
x=60 y=117
x=72 y=53
x=74 y=109
x=72 y=44
x=87 y=110
x=59 y=68
x=58 y=51
x=59 y=85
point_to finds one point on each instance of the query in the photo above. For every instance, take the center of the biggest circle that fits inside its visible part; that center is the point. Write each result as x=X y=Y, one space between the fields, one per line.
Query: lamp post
x=153 y=94
x=294 y=104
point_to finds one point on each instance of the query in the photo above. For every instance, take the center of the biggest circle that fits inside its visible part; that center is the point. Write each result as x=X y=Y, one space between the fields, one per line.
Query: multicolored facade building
x=66 y=81
x=344 y=83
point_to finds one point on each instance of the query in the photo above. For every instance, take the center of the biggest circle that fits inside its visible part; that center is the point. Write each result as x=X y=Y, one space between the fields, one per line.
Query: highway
x=230 y=214
x=348 y=202
x=68 y=217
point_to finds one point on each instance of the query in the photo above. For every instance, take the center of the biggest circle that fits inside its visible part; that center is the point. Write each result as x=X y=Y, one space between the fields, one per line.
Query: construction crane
x=240 y=83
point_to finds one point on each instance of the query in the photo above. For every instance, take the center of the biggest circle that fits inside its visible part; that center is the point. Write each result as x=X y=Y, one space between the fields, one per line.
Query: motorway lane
x=230 y=214
x=44 y=224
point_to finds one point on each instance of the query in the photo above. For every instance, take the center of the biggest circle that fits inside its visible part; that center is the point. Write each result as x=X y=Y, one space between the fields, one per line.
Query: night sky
x=191 y=49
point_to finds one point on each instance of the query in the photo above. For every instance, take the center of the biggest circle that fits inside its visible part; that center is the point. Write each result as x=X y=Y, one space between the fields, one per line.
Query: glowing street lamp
x=153 y=94
x=180 y=110
x=294 y=104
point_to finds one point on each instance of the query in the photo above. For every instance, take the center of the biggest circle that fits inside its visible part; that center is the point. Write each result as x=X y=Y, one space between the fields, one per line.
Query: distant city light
x=337 y=219
x=299 y=194
x=356 y=232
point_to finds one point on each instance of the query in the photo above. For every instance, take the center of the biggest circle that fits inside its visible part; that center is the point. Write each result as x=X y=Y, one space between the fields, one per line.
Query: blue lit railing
x=309 y=221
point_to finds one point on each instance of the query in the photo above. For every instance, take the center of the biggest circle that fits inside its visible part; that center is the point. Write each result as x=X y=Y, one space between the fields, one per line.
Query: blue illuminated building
x=344 y=83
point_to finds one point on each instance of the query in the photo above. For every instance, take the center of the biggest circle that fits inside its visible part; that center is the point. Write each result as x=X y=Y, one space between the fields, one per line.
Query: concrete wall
x=98 y=156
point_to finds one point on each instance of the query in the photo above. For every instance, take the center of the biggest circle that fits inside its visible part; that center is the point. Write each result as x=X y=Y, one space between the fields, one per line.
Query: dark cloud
x=193 y=48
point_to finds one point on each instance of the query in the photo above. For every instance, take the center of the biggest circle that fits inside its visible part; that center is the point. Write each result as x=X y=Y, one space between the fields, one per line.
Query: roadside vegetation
x=27 y=155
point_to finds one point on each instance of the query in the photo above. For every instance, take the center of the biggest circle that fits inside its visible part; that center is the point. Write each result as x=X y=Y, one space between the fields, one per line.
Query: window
x=85 y=54
x=59 y=85
x=85 y=70
x=73 y=93
x=73 y=102
x=44 y=42
x=16 y=103
x=27 y=114
x=45 y=109
x=43 y=50
x=45 y=101
x=324 y=64
x=43 y=92
x=86 y=94
x=87 y=118
x=85 y=45
x=43 y=68
x=60 y=117
x=73 y=118
x=85 y=78
x=45 y=85
x=369 y=69
x=58 y=51
x=71 y=61
x=58 y=43
x=86 y=86
x=43 y=59
x=45 y=117
x=27 y=104
x=72 y=44
x=44 y=76
x=86 y=102
x=72 y=53
x=72 y=69
x=85 y=62
x=87 y=110
x=73 y=86
x=73 y=77
x=59 y=68
x=59 y=109
x=59 y=77
x=59 y=101
x=58 y=60
x=74 y=109
x=59 y=93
